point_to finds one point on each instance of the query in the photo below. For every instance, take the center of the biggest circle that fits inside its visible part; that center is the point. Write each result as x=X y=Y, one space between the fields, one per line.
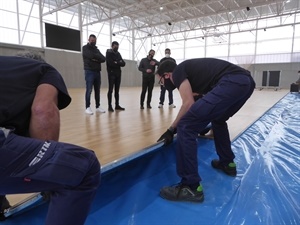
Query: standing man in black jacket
x=114 y=62
x=92 y=59
x=147 y=67
x=162 y=87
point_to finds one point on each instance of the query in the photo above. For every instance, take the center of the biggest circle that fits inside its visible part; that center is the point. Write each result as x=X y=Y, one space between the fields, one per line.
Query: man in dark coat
x=114 y=62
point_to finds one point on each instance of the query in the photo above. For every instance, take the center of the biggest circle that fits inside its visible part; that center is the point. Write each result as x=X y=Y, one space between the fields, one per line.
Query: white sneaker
x=89 y=111
x=160 y=106
x=172 y=106
x=100 y=110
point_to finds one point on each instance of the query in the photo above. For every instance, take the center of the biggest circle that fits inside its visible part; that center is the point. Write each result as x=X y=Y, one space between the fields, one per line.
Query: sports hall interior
x=215 y=29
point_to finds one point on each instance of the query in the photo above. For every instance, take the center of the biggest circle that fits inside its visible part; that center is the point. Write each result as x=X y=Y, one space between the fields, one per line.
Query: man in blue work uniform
x=225 y=88
x=31 y=158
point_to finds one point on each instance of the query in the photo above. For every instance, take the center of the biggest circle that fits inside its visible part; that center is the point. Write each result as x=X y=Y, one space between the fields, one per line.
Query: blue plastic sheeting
x=265 y=191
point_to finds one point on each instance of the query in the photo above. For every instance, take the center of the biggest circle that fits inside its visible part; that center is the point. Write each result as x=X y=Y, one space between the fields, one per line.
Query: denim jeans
x=217 y=106
x=92 y=79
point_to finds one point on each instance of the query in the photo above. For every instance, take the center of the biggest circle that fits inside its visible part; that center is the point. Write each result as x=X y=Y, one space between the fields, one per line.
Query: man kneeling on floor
x=226 y=87
x=31 y=159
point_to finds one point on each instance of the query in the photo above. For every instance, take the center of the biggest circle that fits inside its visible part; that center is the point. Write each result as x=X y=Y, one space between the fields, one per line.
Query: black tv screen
x=62 y=37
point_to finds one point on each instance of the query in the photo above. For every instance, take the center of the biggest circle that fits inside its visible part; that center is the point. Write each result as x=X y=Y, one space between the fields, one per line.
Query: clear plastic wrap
x=265 y=191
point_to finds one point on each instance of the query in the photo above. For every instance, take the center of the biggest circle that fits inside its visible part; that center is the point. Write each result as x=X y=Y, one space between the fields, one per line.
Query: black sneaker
x=182 y=192
x=149 y=107
x=230 y=169
x=119 y=108
x=110 y=109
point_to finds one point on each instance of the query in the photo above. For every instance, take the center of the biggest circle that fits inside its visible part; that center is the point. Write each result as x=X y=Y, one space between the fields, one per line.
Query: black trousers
x=114 y=81
x=147 y=85
x=162 y=95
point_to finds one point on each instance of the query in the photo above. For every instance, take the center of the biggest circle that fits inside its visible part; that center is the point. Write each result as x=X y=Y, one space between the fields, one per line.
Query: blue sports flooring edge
x=265 y=191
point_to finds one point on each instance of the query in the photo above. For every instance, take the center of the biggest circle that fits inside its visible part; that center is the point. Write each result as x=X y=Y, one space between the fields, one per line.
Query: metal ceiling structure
x=168 y=17
x=163 y=21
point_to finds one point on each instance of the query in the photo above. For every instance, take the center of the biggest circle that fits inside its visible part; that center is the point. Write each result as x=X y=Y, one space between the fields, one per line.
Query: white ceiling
x=157 y=18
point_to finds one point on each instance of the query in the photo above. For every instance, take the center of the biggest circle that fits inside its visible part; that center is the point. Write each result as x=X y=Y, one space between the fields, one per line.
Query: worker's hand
x=167 y=137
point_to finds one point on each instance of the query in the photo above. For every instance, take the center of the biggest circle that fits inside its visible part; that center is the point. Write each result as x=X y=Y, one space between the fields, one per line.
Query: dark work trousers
x=114 y=81
x=162 y=95
x=71 y=173
x=92 y=79
x=217 y=106
x=148 y=84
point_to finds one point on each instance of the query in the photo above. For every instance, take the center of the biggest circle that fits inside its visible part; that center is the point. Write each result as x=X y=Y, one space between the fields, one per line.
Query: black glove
x=167 y=137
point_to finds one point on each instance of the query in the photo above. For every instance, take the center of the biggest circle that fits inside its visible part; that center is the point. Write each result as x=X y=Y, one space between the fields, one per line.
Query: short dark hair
x=92 y=35
x=166 y=66
x=114 y=43
x=31 y=54
x=167 y=49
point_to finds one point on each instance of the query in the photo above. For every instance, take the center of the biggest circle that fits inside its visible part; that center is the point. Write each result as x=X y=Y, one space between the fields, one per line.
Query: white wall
x=70 y=65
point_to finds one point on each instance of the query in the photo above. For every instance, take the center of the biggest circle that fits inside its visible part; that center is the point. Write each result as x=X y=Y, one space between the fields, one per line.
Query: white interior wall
x=70 y=65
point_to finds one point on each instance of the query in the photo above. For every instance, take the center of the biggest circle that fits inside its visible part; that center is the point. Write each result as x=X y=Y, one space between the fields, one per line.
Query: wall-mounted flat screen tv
x=62 y=37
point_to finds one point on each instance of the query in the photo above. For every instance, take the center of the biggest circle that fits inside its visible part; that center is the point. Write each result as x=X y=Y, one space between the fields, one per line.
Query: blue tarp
x=265 y=191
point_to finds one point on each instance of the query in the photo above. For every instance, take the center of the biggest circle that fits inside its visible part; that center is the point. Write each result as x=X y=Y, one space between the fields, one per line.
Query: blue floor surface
x=265 y=191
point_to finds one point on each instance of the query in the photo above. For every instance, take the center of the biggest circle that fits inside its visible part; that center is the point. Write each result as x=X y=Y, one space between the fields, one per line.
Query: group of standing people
x=92 y=59
x=147 y=66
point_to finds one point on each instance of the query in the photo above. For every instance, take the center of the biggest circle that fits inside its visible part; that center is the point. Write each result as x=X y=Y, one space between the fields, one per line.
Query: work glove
x=167 y=137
